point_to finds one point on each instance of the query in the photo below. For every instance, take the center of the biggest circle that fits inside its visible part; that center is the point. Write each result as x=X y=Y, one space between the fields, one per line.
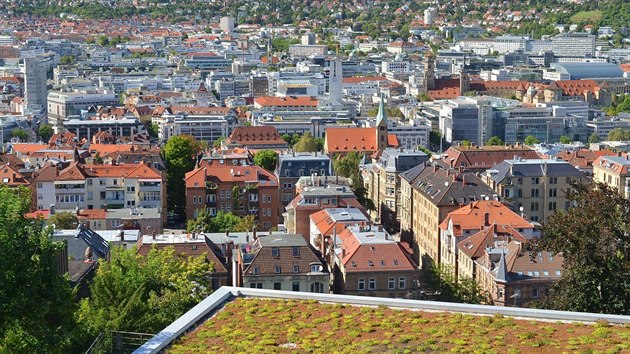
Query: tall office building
x=429 y=15
x=335 y=81
x=35 y=91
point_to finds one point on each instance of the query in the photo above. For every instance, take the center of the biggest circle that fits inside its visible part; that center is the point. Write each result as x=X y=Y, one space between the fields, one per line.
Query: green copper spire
x=382 y=115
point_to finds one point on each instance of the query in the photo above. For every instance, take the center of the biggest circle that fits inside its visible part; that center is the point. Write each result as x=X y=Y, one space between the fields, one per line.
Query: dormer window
x=256 y=271
x=275 y=252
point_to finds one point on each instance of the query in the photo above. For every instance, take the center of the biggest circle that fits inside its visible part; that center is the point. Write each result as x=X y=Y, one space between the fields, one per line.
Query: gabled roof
x=473 y=217
x=226 y=173
x=292 y=101
x=72 y=173
x=446 y=186
x=484 y=157
x=264 y=135
x=354 y=139
x=370 y=251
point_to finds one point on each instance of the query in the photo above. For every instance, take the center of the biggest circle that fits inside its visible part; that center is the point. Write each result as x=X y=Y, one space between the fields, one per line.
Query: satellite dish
x=445 y=184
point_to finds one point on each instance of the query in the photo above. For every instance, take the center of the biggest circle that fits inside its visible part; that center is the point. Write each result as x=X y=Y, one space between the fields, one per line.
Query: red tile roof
x=272 y=101
x=264 y=135
x=472 y=217
x=355 y=139
x=374 y=256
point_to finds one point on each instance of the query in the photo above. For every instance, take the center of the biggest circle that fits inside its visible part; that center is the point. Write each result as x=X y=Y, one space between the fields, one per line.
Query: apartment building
x=283 y=262
x=328 y=223
x=382 y=181
x=496 y=258
x=369 y=262
x=256 y=138
x=315 y=194
x=473 y=218
x=613 y=171
x=241 y=190
x=292 y=166
x=433 y=192
x=535 y=188
x=480 y=158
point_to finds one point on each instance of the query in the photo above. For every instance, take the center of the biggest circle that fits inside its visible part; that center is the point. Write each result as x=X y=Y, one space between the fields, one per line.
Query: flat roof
x=374 y=324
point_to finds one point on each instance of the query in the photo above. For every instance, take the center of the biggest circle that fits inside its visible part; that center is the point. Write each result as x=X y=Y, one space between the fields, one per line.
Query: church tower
x=202 y=96
x=429 y=72
x=381 y=126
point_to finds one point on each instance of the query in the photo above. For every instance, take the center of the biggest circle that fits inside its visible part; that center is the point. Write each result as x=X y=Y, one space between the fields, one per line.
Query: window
x=277 y=286
x=391 y=283
x=553 y=180
x=296 y=269
x=40 y=185
x=552 y=206
x=256 y=270
x=372 y=284
x=296 y=251
x=278 y=269
x=317 y=288
x=535 y=180
x=520 y=193
x=315 y=268
x=402 y=283
x=361 y=285
x=275 y=252
x=535 y=193
x=256 y=285
x=553 y=192
x=534 y=206
x=534 y=293
x=296 y=286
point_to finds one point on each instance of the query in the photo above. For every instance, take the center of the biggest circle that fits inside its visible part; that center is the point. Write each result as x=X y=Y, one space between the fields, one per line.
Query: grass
x=584 y=17
x=289 y=326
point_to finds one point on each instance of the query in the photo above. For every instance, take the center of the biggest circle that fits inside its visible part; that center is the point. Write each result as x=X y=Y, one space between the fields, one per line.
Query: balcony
x=211 y=186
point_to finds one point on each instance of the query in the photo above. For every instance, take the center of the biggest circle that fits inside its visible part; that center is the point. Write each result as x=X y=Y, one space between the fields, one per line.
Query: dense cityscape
x=321 y=176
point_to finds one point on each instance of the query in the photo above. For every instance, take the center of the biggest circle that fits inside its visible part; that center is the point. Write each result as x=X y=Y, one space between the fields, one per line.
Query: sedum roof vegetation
x=255 y=325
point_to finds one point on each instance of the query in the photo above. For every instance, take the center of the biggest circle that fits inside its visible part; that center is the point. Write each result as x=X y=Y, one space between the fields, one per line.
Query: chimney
x=255 y=237
x=486 y=219
x=153 y=236
x=51 y=210
x=122 y=235
x=435 y=167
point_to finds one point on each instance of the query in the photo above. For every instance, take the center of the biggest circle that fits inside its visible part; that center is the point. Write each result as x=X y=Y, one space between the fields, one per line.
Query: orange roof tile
x=354 y=139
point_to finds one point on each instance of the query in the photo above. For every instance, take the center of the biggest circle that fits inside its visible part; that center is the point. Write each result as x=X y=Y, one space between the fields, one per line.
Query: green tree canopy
x=466 y=143
x=205 y=222
x=466 y=290
x=64 y=220
x=594 y=138
x=66 y=60
x=423 y=97
x=593 y=238
x=45 y=131
x=37 y=309
x=531 y=140
x=142 y=294
x=565 y=140
x=20 y=134
x=179 y=155
x=619 y=134
x=348 y=166
x=495 y=141
x=266 y=159
x=306 y=144
x=390 y=111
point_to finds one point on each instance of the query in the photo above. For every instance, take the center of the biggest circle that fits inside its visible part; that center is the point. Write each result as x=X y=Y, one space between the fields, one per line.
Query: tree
x=63 y=220
x=565 y=140
x=66 y=60
x=217 y=143
x=153 y=130
x=348 y=166
x=425 y=150
x=423 y=97
x=495 y=141
x=306 y=144
x=98 y=160
x=142 y=294
x=37 y=309
x=531 y=140
x=466 y=290
x=102 y=41
x=205 y=222
x=593 y=238
x=45 y=131
x=594 y=138
x=179 y=154
x=20 y=134
x=266 y=159
x=619 y=134
x=466 y=143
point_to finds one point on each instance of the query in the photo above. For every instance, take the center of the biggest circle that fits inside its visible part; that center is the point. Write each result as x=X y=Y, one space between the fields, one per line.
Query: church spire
x=381 y=117
x=381 y=126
